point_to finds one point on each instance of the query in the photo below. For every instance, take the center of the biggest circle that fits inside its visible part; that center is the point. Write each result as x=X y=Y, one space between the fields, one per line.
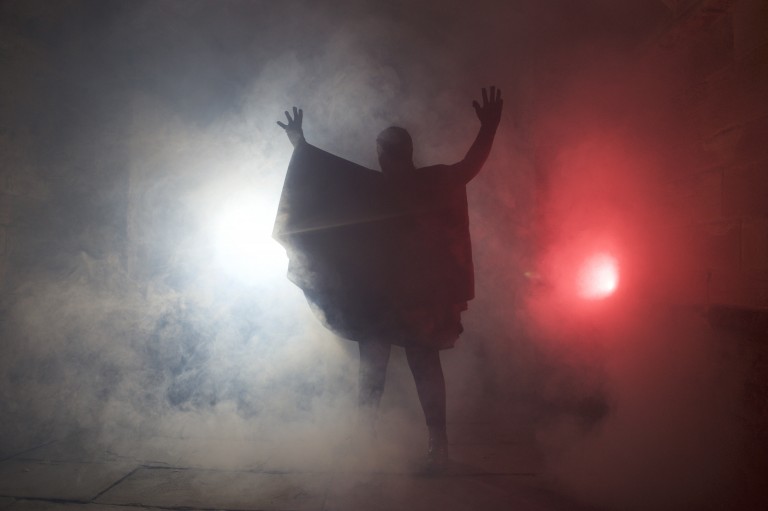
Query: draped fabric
x=377 y=259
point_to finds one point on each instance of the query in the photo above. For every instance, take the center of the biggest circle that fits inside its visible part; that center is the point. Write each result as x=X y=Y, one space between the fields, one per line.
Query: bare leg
x=430 y=386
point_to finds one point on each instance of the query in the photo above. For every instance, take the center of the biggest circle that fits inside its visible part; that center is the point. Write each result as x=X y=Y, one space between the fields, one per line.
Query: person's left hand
x=490 y=112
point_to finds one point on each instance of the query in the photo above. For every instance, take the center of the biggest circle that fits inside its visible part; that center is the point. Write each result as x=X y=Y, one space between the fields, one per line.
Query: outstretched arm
x=490 y=115
x=293 y=128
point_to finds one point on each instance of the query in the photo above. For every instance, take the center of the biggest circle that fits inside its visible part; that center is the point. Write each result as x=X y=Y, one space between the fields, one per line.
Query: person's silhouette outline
x=433 y=280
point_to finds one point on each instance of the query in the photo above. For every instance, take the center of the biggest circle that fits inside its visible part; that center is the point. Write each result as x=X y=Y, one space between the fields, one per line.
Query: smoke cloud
x=136 y=127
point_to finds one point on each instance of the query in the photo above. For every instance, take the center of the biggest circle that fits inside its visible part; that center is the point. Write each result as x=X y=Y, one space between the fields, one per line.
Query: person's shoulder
x=430 y=169
x=440 y=174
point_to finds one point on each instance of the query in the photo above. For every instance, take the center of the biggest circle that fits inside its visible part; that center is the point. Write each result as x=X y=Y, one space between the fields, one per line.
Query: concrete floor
x=493 y=468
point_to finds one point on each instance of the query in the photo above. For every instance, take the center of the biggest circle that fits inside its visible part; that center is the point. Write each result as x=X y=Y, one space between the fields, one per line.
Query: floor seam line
x=126 y=476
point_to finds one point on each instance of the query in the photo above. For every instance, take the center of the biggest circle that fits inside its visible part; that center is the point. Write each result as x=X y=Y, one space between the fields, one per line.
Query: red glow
x=598 y=277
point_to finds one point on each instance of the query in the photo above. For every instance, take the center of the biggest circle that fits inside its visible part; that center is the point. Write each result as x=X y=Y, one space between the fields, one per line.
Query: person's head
x=395 y=149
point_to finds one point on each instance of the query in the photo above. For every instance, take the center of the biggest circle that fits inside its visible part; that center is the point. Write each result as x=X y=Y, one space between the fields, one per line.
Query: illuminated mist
x=143 y=296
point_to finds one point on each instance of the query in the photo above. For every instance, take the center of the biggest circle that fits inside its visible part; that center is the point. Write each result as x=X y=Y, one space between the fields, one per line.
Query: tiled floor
x=492 y=470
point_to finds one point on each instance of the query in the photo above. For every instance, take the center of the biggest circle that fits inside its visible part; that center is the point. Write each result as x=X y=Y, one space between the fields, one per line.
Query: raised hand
x=490 y=112
x=293 y=128
x=490 y=115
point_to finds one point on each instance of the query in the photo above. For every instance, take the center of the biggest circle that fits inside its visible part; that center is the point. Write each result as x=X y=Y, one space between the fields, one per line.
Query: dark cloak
x=371 y=253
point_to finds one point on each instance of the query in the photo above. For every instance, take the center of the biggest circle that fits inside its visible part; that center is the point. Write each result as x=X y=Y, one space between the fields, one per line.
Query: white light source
x=243 y=238
x=599 y=277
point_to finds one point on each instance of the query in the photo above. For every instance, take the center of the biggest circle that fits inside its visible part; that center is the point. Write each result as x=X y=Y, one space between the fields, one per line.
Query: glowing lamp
x=598 y=277
x=243 y=238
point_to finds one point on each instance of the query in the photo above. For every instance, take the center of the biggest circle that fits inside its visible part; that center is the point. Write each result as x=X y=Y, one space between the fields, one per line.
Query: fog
x=134 y=307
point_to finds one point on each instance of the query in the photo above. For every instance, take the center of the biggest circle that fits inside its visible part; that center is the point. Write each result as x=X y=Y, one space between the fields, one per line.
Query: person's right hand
x=490 y=111
x=293 y=128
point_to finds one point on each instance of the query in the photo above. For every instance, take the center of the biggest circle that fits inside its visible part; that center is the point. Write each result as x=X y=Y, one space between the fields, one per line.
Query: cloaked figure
x=385 y=257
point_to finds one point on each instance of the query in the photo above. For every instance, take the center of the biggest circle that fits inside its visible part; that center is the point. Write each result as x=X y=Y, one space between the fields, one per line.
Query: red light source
x=598 y=277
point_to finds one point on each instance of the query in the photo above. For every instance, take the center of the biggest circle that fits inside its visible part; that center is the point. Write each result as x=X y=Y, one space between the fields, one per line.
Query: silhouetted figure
x=385 y=257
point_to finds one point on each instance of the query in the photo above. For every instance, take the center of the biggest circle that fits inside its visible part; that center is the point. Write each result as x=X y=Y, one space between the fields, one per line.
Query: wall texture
x=721 y=49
